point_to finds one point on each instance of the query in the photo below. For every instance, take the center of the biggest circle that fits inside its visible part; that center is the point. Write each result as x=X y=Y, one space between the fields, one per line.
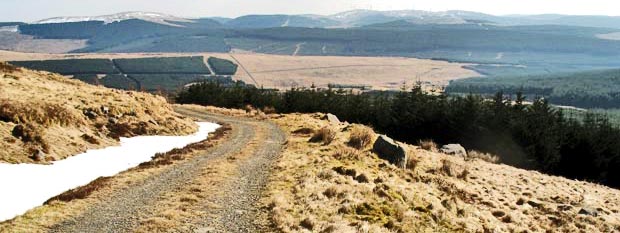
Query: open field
x=17 y=42
x=279 y=71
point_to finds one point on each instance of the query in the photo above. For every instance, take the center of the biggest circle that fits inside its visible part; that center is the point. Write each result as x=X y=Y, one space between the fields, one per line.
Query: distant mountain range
x=505 y=44
x=357 y=18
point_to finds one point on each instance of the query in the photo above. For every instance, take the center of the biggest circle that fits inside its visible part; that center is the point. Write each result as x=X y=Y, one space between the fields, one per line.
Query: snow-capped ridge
x=146 y=16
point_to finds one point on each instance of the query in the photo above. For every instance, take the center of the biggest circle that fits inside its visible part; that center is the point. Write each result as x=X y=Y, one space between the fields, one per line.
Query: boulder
x=454 y=149
x=333 y=119
x=390 y=150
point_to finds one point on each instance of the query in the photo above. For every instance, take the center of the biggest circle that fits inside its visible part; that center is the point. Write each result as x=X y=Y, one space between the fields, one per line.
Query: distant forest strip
x=535 y=136
x=591 y=89
x=168 y=74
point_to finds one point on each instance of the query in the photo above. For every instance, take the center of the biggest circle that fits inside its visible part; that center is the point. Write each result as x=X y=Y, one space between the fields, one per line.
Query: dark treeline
x=533 y=136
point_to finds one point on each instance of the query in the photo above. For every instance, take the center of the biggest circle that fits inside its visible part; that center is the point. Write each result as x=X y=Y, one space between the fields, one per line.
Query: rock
x=19 y=131
x=390 y=150
x=454 y=149
x=588 y=211
x=333 y=119
x=105 y=110
x=90 y=114
x=38 y=156
x=113 y=120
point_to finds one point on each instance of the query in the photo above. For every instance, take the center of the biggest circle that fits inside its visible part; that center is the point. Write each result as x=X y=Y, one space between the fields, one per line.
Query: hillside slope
x=46 y=117
x=333 y=187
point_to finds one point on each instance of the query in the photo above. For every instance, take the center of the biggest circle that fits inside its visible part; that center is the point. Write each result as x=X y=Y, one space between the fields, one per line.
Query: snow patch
x=25 y=186
x=9 y=29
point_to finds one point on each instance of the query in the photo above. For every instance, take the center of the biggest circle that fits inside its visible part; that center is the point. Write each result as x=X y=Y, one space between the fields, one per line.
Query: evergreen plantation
x=589 y=89
x=535 y=136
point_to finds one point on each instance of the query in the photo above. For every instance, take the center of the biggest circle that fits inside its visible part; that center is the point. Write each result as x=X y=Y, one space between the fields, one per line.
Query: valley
x=359 y=121
x=284 y=72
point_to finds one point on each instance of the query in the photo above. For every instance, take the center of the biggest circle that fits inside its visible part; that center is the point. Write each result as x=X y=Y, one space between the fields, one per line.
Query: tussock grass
x=325 y=135
x=360 y=137
x=412 y=162
x=428 y=145
x=472 y=154
x=447 y=168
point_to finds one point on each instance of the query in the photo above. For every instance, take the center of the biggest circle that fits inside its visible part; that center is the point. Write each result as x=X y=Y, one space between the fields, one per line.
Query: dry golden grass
x=284 y=72
x=335 y=188
x=41 y=111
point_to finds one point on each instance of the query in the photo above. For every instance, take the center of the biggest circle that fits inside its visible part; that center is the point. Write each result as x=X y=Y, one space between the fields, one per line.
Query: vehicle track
x=119 y=212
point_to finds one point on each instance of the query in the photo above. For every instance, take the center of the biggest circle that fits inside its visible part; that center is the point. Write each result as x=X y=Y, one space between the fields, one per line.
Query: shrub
x=120 y=130
x=428 y=145
x=325 y=135
x=82 y=191
x=472 y=154
x=7 y=68
x=361 y=137
x=331 y=192
x=269 y=110
x=90 y=139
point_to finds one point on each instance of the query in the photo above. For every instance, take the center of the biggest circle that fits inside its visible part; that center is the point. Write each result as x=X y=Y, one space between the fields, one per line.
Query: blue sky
x=31 y=10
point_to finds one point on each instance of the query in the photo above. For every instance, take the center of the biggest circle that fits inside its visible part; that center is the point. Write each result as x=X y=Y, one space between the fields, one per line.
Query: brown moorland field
x=280 y=71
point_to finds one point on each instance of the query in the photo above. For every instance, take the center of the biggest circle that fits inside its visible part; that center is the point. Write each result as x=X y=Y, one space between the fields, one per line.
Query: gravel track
x=119 y=213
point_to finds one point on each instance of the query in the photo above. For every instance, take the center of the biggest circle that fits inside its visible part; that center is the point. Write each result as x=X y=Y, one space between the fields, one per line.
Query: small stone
x=588 y=211
x=105 y=110
x=38 y=155
x=90 y=114
x=113 y=120
x=333 y=119
x=454 y=149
